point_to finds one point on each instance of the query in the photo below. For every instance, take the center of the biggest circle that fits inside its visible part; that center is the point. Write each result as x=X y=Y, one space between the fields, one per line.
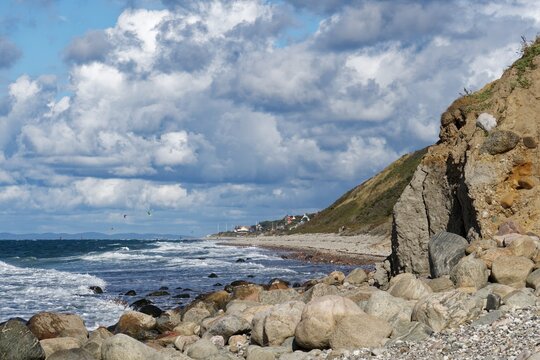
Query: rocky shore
x=480 y=301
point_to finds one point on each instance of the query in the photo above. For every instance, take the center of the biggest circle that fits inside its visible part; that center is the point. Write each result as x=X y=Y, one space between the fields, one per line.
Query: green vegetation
x=529 y=50
x=368 y=207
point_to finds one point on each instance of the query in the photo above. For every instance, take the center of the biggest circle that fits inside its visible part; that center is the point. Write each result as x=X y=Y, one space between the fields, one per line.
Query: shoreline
x=320 y=248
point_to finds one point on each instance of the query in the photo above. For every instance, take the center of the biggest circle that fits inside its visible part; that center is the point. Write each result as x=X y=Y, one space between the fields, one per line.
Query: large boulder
x=335 y=321
x=28 y=347
x=445 y=250
x=356 y=277
x=319 y=290
x=168 y=320
x=227 y=326
x=201 y=350
x=518 y=299
x=533 y=280
x=123 y=347
x=511 y=270
x=408 y=287
x=273 y=326
x=50 y=346
x=71 y=354
x=470 y=272
x=48 y=325
x=523 y=246
x=394 y=310
x=445 y=310
x=133 y=323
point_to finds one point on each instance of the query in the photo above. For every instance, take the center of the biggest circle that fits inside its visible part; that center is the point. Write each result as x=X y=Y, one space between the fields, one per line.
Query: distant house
x=305 y=218
x=241 y=229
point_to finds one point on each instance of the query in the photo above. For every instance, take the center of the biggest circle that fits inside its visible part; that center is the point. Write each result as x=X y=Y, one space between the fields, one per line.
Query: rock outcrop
x=483 y=171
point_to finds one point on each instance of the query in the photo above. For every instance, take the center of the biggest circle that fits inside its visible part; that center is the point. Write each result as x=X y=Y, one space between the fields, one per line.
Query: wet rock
x=96 y=289
x=27 y=345
x=182 y=296
x=499 y=142
x=130 y=293
x=137 y=305
x=240 y=260
x=48 y=325
x=159 y=293
x=511 y=270
x=278 y=284
x=217 y=284
x=151 y=310
x=213 y=275
x=133 y=323
x=445 y=250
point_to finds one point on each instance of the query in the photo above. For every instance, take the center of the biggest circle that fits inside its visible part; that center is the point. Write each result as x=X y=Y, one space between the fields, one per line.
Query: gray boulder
x=202 y=349
x=71 y=354
x=273 y=326
x=50 y=346
x=28 y=347
x=470 y=272
x=278 y=296
x=518 y=299
x=533 y=280
x=446 y=310
x=356 y=277
x=407 y=286
x=319 y=290
x=122 y=347
x=396 y=311
x=445 y=250
x=499 y=142
x=227 y=326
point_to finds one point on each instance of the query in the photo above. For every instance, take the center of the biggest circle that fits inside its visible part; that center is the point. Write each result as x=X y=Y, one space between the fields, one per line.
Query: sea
x=56 y=275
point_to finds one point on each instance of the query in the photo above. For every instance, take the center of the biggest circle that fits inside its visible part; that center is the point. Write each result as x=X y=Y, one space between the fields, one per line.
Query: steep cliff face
x=483 y=171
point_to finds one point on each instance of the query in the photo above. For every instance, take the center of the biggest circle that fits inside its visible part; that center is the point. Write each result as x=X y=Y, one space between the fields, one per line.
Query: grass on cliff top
x=529 y=50
x=369 y=205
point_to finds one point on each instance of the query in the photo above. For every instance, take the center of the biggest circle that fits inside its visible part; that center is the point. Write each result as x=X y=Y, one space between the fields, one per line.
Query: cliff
x=483 y=171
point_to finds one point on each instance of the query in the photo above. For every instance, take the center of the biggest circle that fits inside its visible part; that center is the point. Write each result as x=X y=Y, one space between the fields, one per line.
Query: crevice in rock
x=426 y=208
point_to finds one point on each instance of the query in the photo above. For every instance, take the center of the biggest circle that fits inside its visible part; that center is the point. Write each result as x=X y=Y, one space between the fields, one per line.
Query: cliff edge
x=483 y=171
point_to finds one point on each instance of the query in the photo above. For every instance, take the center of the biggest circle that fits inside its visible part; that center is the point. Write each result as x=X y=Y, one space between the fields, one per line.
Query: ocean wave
x=119 y=255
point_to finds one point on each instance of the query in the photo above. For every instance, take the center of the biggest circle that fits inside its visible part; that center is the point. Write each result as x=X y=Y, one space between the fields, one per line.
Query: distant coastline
x=91 y=236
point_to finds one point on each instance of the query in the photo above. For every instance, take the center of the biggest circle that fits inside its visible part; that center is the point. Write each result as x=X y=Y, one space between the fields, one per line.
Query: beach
x=331 y=248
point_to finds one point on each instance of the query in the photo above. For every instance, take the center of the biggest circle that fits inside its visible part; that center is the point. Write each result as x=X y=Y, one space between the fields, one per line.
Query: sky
x=192 y=116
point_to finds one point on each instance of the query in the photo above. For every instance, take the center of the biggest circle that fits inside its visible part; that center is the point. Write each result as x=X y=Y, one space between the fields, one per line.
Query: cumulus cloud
x=202 y=105
x=9 y=53
x=92 y=46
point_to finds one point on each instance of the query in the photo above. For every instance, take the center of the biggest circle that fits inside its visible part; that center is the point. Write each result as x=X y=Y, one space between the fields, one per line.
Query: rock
x=510 y=227
x=533 y=279
x=338 y=322
x=523 y=246
x=137 y=305
x=530 y=142
x=249 y=313
x=94 y=348
x=159 y=293
x=445 y=250
x=50 y=346
x=278 y=284
x=499 y=142
x=392 y=309
x=202 y=349
x=381 y=275
x=227 y=326
x=511 y=270
x=413 y=332
x=493 y=302
x=213 y=275
x=258 y=353
x=130 y=293
x=480 y=245
x=441 y=284
x=247 y=292
x=446 y=310
x=360 y=331
x=96 y=289
x=527 y=182
x=507 y=200
x=490 y=255
x=28 y=347
x=187 y=328
x=319 y=290
x=408 y=287
x=470 y=272
x=196 y=313
x=488 y=318
x=123 y=347
x=48 y=325
x=237 y=342
x=486 y=122
x=519 y=299
x=99 y=334
x=360 y=294
x=218 y=340
x=278 y=296
x=334 y=278
x=151 y=310
x=168 y=320
x=273 y=326
x=182 y=342
x=133 y=323
x=356 y=277
x=71 y=354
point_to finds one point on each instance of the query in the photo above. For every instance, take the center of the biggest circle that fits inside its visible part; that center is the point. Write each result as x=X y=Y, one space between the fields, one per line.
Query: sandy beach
x=358 y=249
